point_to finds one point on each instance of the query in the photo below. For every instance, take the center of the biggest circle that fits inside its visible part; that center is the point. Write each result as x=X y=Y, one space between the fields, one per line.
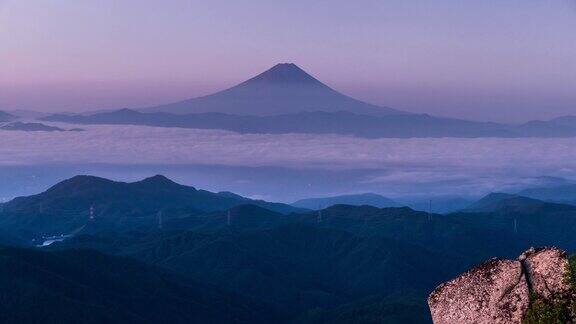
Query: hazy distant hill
x=498 y=202
x=6 y=117
x=490 y=202
x=560 y=194
x=344 y=123
x=27 y=114
x=30 y=127
x=438 y=204
x=283 y=89
x=564 y=126
x=355 y=200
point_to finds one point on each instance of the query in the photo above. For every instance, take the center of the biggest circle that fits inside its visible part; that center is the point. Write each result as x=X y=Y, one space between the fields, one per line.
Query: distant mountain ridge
x=369 y=199
x=565 y=193
x=319 y=122
x=498 y=202
x=71 y=204
x=30 y=127
x=283 y=89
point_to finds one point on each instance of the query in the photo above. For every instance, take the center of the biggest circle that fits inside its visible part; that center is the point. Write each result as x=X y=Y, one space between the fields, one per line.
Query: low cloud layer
x=470 y=164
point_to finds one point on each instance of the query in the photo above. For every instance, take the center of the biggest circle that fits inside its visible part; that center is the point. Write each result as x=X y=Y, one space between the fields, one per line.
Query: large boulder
x=498 y=291
x=546 y=272
x=493 y=292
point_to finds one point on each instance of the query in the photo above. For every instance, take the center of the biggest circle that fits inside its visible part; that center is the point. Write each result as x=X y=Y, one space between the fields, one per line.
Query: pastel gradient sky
x=502 y=60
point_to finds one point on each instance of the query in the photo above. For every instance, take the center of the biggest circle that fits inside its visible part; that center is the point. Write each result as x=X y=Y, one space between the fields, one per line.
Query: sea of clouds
x=464 y=164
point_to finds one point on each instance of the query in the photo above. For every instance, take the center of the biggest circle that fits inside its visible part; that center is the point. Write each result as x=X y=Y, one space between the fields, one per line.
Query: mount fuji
x=283 y=89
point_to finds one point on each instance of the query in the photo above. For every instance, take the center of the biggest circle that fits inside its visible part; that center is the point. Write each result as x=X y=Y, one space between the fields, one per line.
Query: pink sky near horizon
x=486 y=60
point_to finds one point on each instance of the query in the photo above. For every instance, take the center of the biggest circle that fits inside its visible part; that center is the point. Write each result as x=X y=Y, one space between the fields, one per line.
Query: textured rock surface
x=546 y=271
x=493 y=292
x=498 y=291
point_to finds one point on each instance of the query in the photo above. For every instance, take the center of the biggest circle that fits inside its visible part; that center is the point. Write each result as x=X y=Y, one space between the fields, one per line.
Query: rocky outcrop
x=493 y=292
x=499 y=291
x=545 y=269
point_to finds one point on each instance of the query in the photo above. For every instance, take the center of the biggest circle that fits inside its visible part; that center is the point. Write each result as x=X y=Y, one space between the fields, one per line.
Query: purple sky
x=509 y=60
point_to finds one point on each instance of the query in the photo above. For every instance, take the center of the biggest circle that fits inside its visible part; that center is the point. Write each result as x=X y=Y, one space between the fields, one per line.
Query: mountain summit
x=283 y=89
x=284 y=73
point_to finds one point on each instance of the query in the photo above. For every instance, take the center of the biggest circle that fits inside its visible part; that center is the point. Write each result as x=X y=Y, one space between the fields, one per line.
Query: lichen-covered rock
x=546 y=272
x=499 y=291
x=493 y=292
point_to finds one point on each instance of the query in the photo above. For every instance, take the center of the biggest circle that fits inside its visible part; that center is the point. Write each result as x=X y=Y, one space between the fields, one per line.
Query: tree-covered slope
x=82 y=286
